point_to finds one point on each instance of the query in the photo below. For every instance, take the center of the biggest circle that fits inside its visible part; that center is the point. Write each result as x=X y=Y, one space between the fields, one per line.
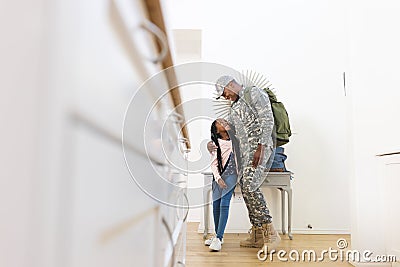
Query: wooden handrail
x=156 y=16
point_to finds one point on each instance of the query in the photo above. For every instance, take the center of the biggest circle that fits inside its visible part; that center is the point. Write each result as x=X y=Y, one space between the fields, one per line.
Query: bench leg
x=206 y=213
x=283 y=207
x=290 y=213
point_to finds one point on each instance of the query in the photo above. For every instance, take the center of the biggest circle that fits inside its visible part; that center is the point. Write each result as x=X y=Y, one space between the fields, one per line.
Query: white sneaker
x=216 y=244
x=209 y=241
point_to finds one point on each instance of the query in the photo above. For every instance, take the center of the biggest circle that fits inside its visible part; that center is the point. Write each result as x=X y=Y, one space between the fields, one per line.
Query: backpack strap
x=246 y=94
x=226 y=164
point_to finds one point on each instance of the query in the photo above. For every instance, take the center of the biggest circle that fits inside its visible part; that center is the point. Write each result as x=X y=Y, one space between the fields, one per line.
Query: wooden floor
x=232 y=255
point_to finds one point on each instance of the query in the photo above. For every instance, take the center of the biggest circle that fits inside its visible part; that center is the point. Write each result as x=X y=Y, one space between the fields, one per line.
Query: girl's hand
x=221 y=183
x=211 y=147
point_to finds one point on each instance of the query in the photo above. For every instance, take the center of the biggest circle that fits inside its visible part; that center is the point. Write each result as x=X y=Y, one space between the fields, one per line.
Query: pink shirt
x=226 y=149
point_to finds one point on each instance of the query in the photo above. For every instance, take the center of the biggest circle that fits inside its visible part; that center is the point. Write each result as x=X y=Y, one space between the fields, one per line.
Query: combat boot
x=255 y=239
x=271 y=237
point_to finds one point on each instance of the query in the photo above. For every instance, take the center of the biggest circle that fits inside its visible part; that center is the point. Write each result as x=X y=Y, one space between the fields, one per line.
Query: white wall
x=300 y=45
x=187 y=45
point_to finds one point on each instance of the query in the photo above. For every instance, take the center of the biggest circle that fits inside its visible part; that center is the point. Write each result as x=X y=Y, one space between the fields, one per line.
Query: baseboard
x=321 y=231
x=294 y=231
x=227 y=231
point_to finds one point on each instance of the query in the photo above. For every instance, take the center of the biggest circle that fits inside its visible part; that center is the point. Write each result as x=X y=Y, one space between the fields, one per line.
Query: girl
x=224 y=169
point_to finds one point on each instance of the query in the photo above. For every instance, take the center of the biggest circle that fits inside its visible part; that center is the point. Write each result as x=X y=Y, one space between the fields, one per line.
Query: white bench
x=279 y=180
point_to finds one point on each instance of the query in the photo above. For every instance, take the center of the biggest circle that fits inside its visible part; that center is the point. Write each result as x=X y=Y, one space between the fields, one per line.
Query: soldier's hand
x=211 y=147
x=258 y=156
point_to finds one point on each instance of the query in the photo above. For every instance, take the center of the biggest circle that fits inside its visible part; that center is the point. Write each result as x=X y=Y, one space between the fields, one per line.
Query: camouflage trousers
x=254 y=199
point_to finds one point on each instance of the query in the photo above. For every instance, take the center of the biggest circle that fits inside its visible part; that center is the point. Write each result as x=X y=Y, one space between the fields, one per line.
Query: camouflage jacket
x=254 y=122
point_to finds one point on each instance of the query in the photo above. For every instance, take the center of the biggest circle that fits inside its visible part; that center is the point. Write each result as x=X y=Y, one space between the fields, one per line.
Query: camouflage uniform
x=254 y=123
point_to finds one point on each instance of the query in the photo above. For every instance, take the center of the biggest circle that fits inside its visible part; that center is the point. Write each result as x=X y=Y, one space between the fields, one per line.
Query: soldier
x=254 y=123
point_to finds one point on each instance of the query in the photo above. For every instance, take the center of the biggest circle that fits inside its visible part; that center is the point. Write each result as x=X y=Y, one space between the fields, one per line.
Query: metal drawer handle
x=182 y=140
x=152 y=28
x=187 y=210
x=185 y=207
x=164 y=222
x=176 y=117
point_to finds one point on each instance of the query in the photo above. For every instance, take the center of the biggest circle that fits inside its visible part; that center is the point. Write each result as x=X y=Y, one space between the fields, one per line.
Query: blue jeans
x=221 y=203
x=279 y=159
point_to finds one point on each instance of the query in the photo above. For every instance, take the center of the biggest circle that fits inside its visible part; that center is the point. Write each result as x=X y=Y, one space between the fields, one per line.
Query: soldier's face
x=229 y=93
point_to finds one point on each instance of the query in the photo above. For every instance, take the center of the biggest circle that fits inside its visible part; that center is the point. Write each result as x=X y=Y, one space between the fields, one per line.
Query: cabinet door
x=109 y=220
x=391 y=176
x=373 y=57
x=106 y=75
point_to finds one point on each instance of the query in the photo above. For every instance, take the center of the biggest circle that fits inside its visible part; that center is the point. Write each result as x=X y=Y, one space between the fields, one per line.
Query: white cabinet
x=111 y=214
x=391 y=180
x=372 y=79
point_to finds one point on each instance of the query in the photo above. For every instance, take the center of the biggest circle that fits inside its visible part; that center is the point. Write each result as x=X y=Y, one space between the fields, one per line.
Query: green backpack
x=281 y=117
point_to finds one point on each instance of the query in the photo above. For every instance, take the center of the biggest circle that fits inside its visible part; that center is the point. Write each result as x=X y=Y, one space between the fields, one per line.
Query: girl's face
x=222 y=126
